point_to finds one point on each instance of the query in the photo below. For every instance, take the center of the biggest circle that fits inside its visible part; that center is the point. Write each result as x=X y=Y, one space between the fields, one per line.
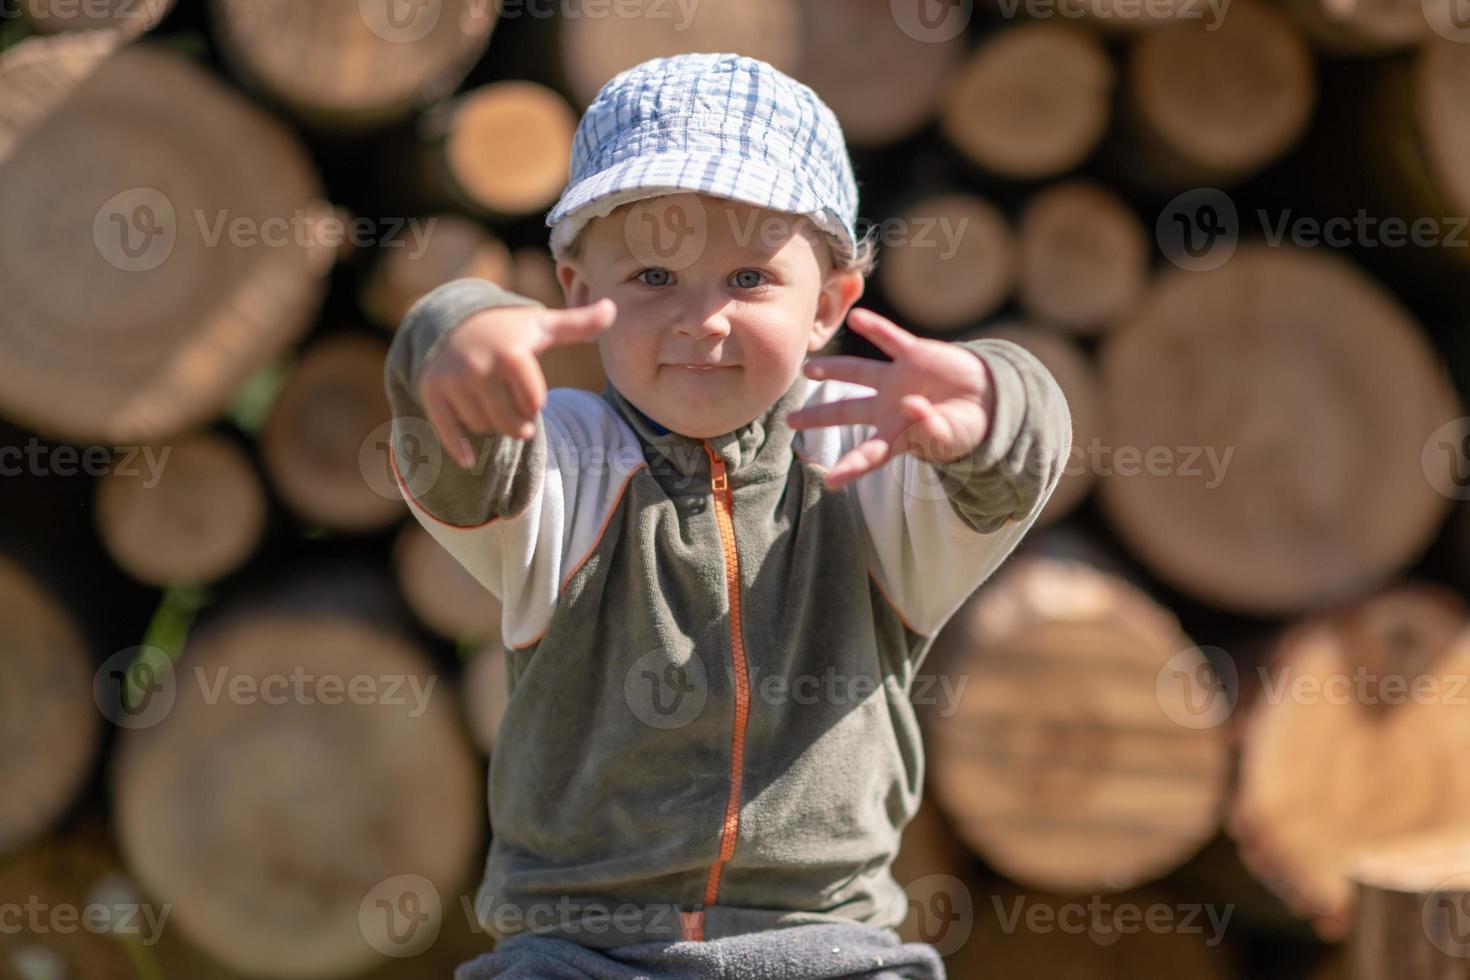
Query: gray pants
x=836 y=951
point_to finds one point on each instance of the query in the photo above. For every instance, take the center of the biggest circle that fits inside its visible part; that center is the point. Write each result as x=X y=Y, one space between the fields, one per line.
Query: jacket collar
x=757 y=451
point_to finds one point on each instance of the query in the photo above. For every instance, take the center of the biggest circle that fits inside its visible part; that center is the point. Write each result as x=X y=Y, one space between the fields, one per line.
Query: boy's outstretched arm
x=950 y=449
x=499 y=481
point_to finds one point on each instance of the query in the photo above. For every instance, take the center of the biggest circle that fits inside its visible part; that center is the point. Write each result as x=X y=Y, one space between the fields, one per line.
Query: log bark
x=595 y=47
x=954 y=263
x=306 y=769
x=1031 y=102
x=135 y=322
x=1323 y=392
x=320 y=443
x=49 y=725
x=194 y=520
x=1074 y=761
x=502 y=149
x=1077 y=378
x=1083 y=257
x=455 y=247
x=1412 y=918
x=349 y=65
x=1212 y=104
x=1354 y=733
x=883 y=82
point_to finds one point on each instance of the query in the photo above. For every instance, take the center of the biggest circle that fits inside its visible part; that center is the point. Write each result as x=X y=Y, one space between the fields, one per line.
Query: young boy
x=720 y=576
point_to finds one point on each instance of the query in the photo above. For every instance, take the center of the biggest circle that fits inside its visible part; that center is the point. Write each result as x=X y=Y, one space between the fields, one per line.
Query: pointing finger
x=576 y=325
x=842 y=367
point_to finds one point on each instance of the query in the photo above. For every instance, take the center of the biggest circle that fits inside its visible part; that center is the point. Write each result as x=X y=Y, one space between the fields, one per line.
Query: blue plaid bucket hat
x=722 y=124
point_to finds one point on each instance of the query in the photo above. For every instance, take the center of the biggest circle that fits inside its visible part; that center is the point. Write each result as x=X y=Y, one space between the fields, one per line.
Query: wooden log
x=1391 y=158
x=1141 y=935
x=132 y=17
x=952 y=263
x=1206 y=484
x=597 y=40
x=346 y=64
x=1073 y=762
x=883 y=82
x=1360 y=27
x=484 y=694
x=443 y=595
x=1032 y=101
x=503 y=149
x=193 y=516
x=74 y=913
x=454 y=247
x=134 y=322
x=49 y=725
x=318 y=442
x=1211 y=105
x=309 y=768
x=1354 y=734
x=1078 y=380
x=1083 y=257
x=1412 y=909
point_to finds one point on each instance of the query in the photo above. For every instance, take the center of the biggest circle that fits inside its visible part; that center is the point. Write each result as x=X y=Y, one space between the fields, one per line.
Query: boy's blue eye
x=748 y=283
x=656 y=271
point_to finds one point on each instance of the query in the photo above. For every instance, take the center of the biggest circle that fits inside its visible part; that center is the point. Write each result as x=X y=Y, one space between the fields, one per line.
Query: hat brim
x=743 y=179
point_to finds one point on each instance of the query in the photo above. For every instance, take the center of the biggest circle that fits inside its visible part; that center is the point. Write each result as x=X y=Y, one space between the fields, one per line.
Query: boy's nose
x=700 y=325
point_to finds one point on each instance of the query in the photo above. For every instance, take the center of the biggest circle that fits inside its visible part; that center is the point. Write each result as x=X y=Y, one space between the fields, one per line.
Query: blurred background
x=1210 y=721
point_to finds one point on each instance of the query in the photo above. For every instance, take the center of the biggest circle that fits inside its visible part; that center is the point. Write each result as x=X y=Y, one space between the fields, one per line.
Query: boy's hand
x=934 y=400
x=485 y=376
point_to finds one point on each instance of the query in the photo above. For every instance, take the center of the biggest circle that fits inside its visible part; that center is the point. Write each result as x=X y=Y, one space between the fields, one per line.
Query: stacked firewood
x=1211 y=720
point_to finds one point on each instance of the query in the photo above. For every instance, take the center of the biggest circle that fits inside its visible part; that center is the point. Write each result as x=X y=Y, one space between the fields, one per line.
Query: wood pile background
x=1226 y=675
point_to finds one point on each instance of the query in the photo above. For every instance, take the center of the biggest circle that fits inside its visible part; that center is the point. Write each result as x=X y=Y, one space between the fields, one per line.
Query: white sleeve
x=936 y=532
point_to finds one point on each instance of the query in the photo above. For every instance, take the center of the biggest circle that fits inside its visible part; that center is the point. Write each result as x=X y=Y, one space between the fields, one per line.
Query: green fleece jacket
x=710 y=654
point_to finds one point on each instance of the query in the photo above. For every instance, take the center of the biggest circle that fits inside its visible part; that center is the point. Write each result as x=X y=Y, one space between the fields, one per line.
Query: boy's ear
x=839 y=293
x=573 y=285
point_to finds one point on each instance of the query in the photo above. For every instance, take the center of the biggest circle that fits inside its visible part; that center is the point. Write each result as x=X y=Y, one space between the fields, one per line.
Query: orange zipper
x=693 y=922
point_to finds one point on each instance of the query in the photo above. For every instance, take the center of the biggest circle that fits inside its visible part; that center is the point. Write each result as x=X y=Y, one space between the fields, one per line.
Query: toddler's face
x=719 y=303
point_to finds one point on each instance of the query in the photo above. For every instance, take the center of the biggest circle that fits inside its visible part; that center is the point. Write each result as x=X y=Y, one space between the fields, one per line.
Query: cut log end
x=188 y=512
x=509 y=146
x=454 y=247
x=1031 y=102
x=1072 y=763
x=955 y=264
